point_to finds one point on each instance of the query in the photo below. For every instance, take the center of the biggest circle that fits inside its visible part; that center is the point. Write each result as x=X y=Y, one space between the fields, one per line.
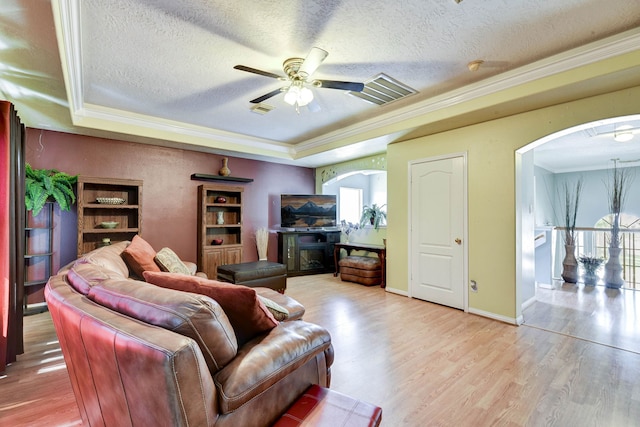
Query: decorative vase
x=570 y=265
x=590 y=278
x=224 y=170
x=613 y=270
x=220 y=217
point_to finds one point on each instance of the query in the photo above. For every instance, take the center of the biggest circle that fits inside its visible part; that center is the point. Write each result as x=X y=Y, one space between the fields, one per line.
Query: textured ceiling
x=162 y=70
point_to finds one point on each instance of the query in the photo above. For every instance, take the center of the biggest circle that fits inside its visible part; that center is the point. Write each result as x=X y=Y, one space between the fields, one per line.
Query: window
x=350 y=204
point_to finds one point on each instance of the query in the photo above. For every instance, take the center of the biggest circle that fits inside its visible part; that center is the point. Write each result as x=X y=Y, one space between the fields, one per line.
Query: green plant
x=372 y=215
x=590 y=264
x=48 y=184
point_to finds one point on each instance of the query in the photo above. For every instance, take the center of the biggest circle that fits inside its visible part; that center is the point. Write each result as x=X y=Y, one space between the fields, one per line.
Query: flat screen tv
x=304 y=211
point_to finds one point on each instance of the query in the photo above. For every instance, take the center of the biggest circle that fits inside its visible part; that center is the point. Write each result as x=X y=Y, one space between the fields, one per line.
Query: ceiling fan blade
x=255 y=71
x=334 y=84
x=265 y=97
x=633 y=130
x=312 y=62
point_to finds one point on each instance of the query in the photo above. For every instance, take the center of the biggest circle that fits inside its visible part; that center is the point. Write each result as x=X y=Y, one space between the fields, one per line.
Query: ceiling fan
x=297 y=75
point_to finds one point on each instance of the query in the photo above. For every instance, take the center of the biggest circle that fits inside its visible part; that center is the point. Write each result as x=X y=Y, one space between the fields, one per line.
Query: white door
x=437 y=231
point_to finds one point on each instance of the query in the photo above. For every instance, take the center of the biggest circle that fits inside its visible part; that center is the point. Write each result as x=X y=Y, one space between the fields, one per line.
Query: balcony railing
x=595 y=242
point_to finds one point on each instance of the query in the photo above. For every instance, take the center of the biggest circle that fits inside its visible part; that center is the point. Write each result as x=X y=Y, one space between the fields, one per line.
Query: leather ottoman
x=264 y=274
x=361 y=269
x=321 y=407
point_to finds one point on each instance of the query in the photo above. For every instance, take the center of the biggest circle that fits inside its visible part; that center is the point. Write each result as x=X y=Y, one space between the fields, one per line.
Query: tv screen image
x=308 y=211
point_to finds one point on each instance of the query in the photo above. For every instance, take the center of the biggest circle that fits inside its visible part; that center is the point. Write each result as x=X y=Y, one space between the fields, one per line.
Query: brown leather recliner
x=141 y=355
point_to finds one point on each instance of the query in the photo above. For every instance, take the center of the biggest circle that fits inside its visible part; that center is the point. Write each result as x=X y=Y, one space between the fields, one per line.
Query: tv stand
x=307 y=252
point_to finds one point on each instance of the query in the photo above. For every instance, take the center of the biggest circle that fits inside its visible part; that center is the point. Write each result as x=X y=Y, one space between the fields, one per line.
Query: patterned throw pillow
x=279 y=312
x=168 y=261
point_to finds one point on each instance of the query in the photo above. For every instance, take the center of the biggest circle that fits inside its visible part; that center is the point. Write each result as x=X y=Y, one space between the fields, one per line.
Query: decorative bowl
x=109 y=224
x=216 y=241
x=110 y=200
x=221 y=199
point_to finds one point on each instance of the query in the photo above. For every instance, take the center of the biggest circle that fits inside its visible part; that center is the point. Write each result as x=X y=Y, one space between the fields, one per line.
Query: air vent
x=262 y=108
x=382 y=89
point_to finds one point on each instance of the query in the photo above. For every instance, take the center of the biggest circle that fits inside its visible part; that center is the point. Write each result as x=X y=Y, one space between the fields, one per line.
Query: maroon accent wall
x=169 y=205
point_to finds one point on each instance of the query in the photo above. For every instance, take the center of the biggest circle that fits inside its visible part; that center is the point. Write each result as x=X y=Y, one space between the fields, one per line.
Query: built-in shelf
x=91 y=213
x=219 y=221
x=205 y=177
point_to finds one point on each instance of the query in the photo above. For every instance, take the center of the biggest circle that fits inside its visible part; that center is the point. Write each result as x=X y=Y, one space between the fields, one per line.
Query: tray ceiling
x=161 y=71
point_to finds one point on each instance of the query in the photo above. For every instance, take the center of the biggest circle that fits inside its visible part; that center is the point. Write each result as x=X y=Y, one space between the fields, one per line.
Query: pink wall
x=169 y=205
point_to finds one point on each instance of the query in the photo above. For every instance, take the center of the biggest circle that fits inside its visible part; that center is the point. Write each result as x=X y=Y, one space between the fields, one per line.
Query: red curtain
x=11 y=233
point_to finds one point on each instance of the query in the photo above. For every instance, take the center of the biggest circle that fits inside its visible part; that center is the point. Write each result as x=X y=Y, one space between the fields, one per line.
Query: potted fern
x=42 y=185
x=373 y=215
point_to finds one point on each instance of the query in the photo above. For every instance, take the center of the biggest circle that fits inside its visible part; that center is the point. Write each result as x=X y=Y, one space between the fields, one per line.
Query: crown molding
x=67 y=13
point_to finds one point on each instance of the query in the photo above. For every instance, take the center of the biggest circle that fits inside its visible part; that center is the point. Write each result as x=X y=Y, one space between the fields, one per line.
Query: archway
x=535 y=199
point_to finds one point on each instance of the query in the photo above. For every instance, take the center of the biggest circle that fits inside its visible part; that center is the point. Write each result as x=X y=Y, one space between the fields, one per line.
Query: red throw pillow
x=247 y=314
x=140 y=256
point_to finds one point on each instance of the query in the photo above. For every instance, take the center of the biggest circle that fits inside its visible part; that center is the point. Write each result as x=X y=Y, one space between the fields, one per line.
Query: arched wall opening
x=588 y=152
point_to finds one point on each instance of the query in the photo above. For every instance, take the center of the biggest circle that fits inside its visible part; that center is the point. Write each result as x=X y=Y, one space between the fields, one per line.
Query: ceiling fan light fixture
x=623 y=134
x=298 y=95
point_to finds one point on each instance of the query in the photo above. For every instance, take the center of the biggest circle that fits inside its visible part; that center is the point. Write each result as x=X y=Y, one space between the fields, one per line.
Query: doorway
x=438 y=218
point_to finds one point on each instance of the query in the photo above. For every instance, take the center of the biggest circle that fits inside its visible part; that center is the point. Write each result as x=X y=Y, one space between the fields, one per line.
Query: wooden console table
x=379 y=249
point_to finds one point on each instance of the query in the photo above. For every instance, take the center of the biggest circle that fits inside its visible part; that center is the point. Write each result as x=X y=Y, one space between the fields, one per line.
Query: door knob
x=458 y=241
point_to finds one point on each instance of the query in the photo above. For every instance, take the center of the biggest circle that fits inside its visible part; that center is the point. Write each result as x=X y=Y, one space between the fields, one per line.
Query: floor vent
x=383 y=89
x=262 y=108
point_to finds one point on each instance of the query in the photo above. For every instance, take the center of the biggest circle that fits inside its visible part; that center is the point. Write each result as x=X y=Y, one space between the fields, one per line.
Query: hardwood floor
x=424 y=364
x=594 y=313
x=35 y=390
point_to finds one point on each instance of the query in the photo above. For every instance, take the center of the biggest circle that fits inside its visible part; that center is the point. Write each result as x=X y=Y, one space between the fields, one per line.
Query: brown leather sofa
x=172 y=359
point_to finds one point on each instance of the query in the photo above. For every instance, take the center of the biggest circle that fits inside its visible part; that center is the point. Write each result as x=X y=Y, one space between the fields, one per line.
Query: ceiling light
x=623 y=133
x=298 y=95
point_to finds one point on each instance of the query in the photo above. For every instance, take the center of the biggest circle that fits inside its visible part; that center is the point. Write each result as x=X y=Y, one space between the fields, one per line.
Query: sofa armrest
x=193 y=268
x=269 y=358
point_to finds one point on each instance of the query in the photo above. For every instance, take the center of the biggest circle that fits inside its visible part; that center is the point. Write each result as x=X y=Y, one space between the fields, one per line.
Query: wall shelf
x=205 y=177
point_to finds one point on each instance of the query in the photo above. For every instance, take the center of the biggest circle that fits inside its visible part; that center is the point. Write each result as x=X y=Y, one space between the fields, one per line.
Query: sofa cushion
x=82 y=277
x=139 y=256
x=168 y=261
x=195 y=316
x=248 y=315
x=109 y=258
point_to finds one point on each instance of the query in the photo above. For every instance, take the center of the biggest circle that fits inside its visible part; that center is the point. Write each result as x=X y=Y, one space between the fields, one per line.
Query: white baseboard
x=514 y=321
x=528 y=302
x=397 y=291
